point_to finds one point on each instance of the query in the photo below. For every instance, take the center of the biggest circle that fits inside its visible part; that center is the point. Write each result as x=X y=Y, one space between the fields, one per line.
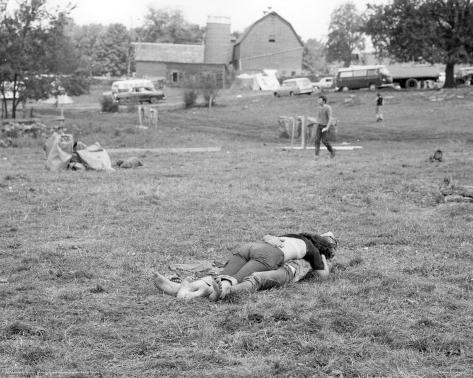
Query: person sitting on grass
x=285 y=259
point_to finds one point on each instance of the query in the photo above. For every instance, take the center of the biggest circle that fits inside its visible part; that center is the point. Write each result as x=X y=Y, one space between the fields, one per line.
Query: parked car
x=296 y=86
x=464 y=76
x=136 y=91
x=324 y=83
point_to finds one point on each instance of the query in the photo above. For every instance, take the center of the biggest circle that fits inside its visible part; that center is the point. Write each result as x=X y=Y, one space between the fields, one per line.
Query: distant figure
x=324 y=122
x=437 y=156
x=379 y=105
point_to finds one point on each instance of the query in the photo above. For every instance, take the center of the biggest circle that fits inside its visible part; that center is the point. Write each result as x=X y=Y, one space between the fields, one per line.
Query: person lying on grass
x=284 y=259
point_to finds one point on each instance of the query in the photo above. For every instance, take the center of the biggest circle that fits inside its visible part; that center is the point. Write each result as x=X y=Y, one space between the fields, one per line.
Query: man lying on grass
x=277 y=261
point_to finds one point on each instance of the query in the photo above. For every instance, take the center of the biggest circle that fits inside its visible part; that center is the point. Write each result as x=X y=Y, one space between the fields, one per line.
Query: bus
x=356 y=77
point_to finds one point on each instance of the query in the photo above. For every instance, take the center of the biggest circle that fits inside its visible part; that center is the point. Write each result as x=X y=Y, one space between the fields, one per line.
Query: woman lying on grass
x=276 y=261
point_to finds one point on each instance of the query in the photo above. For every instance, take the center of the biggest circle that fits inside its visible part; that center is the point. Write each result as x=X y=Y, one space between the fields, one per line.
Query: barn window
x=177 y=77
x=272 y=38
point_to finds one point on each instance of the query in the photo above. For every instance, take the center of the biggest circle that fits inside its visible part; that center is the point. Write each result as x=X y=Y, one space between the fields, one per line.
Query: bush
x=190 y=97
x=209 y=89
x=108 y=105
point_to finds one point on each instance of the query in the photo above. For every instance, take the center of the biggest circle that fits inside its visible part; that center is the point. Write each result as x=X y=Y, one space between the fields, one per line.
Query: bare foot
x=194 y=289
x=166 y=285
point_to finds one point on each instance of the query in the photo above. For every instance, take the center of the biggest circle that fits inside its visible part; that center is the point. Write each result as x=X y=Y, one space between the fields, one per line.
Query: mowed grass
x=77 y=249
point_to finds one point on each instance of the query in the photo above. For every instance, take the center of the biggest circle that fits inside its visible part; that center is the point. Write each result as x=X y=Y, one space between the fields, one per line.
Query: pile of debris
x=11 y=130
x=64 y=152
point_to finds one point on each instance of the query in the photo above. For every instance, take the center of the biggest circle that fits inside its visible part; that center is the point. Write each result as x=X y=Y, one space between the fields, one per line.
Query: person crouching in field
x=276 y=261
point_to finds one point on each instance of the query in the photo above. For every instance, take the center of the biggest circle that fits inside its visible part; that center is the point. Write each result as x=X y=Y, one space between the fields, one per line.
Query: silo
x=217 y=40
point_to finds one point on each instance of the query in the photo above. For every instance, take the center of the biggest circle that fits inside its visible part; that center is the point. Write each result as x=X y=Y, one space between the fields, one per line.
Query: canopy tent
x=261 y=81
x=60 y=100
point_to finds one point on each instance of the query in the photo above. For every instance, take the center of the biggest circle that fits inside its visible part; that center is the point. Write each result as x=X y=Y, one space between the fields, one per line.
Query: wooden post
x=140 y=116
x=303 y=127
x=293 y=131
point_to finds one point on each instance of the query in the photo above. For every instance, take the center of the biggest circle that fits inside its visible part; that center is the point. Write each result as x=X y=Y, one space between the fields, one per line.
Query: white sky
x=310 y=18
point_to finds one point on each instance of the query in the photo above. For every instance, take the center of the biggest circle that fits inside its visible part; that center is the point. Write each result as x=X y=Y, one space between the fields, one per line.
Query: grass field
x=77 y=249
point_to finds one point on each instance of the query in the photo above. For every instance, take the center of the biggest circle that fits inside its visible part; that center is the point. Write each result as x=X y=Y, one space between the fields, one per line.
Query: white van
x=136 y=91
x=295 y=86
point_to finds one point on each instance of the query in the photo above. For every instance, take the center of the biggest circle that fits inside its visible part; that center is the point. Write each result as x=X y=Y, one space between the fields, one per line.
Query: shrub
x=190 y=97
x=108 y=105
x=209 y=89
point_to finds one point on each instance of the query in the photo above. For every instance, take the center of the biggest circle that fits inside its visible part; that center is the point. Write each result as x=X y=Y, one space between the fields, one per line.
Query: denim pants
x=291 y=271
x=322 y=136
x=253 y=257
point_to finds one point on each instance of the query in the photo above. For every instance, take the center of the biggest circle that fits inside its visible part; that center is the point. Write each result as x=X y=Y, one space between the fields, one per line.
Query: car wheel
x=291 y=94
x=412 y=84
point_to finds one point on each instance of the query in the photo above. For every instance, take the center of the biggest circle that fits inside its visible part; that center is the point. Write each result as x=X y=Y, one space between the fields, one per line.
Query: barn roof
x=250 y=28
x=168 y=52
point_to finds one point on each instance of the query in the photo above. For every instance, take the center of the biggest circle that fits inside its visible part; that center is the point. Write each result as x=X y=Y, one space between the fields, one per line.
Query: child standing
x=379 y=104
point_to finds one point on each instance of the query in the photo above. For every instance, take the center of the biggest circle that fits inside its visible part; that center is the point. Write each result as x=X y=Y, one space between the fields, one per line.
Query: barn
x=269 y=43
x=177 y=63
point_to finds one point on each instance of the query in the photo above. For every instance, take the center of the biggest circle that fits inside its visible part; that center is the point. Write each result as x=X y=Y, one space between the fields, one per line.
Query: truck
x=414 y=76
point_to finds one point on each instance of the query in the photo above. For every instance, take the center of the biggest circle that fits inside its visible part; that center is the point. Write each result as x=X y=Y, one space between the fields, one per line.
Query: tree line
x=44 y=52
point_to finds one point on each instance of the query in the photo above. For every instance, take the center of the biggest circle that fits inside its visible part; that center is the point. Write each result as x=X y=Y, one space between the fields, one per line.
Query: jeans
x=322 y=136
x=291 y=271
x=253 y=257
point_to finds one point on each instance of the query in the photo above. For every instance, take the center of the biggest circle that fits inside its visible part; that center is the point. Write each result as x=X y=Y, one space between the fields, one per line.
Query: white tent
x=60 y=100
x=265 y=81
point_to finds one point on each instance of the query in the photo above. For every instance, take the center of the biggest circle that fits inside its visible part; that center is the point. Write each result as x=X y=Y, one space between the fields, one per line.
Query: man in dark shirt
x=324 y=122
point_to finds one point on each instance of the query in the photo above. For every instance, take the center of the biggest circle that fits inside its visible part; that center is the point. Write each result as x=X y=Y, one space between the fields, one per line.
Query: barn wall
x=271 y=43
x=151 y=69
x=177 y=74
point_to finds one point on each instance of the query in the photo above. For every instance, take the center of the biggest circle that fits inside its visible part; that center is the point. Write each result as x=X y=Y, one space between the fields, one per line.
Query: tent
x=261 y=81
x=60 y=100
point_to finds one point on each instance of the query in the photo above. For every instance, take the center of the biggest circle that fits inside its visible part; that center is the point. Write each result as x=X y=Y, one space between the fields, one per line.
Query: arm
x=323 y=274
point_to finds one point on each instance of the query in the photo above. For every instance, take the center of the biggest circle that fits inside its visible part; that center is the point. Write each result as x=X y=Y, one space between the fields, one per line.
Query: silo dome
x=217 y=40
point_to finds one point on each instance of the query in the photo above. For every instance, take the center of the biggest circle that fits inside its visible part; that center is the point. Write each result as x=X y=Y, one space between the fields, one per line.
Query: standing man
x=324 y=122
x=379 y=106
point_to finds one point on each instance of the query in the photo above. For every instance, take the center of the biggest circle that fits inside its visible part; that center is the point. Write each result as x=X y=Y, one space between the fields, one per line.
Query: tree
x=437 y=31
x=86 y=39
x=313 y=58
x=26 y=36
x=60 y=53
x=161 y=25
x=345 y=34
x=111 y=51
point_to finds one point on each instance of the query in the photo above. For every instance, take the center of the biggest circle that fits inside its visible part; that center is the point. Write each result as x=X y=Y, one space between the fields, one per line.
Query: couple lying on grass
x=275 y=261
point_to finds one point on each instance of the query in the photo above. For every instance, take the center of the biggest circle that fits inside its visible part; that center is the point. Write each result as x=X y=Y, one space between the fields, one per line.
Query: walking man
x=324 y=122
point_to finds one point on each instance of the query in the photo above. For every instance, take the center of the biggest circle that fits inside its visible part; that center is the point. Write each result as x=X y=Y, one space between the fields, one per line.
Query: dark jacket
x=315 y=246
